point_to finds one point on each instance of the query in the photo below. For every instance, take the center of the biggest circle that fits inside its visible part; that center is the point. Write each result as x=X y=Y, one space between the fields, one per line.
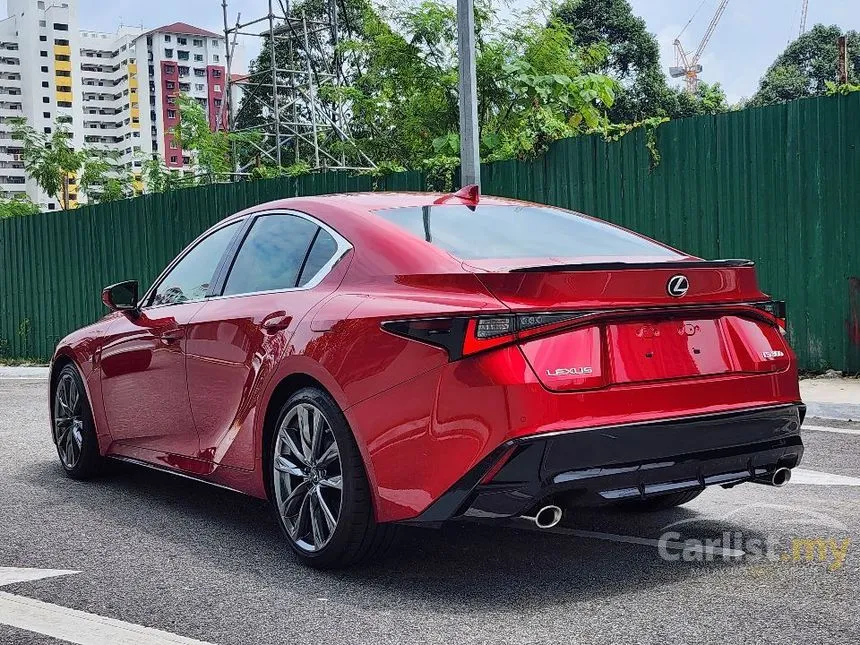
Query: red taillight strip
x=464 y=336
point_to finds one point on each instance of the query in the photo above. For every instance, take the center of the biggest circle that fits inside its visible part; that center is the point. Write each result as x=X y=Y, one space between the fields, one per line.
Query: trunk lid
x=633 y=322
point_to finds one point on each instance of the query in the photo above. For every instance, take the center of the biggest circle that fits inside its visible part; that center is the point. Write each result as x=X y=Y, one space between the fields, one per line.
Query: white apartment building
x=119 y=90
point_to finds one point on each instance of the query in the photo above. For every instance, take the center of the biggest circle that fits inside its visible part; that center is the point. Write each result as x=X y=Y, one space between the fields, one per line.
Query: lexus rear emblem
x=677 y=286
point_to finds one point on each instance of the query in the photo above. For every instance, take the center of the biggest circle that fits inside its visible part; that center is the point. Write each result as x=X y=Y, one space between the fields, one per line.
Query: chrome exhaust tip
x=778 y=478
x=781 y=476
x=546 y=516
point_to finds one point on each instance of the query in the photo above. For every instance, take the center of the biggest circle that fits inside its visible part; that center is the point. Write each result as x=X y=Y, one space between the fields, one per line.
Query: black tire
x=356 y=536
x=662 y=502
x=74 y=429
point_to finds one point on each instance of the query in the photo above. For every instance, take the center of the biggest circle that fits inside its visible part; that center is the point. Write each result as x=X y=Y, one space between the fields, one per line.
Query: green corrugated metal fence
x=780 y=185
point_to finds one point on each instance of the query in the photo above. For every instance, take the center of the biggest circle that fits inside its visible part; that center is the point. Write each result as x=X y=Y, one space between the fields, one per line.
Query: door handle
x=276 y=322
x=170 y=336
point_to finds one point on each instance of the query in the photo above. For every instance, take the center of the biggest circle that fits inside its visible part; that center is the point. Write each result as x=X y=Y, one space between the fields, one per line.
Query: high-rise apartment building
x=118 y=91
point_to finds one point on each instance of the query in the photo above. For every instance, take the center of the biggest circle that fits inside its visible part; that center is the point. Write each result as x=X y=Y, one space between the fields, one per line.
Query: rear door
x=236 y=338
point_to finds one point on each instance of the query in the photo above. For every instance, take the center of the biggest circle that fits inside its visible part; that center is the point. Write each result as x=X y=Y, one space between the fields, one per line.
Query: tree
x=211 y=151
x=50 y=159
x=104 y=178
x=634 y=62
x=17 y=206
x=534 y=86
x=807 y=65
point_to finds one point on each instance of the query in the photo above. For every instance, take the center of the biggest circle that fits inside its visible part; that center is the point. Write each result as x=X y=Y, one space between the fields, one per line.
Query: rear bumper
x=633 y=461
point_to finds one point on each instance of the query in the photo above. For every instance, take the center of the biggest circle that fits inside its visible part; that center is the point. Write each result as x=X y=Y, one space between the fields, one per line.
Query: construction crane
x=686 y=65
x=803 y=13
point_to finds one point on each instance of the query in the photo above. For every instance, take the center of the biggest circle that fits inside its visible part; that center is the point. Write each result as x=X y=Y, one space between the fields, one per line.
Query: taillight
x=464 y=336
x=776 y=308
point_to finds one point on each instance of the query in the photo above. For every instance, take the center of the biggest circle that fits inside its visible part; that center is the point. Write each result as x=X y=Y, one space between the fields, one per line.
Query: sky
x=750 y=35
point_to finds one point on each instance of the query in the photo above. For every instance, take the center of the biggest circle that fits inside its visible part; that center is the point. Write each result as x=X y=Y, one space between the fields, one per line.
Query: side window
x=322 y=251
x=272 y=255
x=189 y=280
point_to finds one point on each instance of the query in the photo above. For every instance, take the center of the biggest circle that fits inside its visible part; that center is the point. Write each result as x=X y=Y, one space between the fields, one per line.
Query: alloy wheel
x=308 y=478
x=68 y=421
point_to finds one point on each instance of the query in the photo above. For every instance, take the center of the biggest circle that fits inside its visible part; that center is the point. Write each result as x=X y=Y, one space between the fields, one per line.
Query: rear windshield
x=519 y=231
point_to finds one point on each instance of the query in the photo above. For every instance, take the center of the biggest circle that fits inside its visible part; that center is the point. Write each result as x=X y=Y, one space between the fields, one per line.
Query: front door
x=144 y=382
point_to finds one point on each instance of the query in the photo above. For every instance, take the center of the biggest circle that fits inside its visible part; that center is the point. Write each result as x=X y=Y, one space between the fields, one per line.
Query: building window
x=199 y=72
x=46 y=84
x=168 y=53
x=217 y=88
x=182 y=54
x=173 y=145
x=47 y=115
x=183 y=71
x=199 y=87
x=171 y=114
x=170 y=85
x=43 y=54
x=214 y=43
x=44 y=68
x=61 y=41
x=166 y=38
x=45 y=99
x=181 y=41
x=169 y=69
x=43 y=38
x=215 y=57
x=40 y=5
x=197 y=42
x=172 y=158
x=60 y=26
x=47 y=130
x=171 y=100
x=42 y=23
x=198 y=58
x=216 y=73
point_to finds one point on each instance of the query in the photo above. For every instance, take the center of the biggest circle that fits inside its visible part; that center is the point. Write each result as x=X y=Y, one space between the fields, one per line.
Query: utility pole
x=470 y=160
x=843 y=60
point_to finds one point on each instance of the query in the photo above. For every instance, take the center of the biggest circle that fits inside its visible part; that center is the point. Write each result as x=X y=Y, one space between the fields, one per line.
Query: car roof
x=369 y=201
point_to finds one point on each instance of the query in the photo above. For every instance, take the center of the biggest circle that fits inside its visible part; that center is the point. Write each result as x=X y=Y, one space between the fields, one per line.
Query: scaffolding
x=304 y=116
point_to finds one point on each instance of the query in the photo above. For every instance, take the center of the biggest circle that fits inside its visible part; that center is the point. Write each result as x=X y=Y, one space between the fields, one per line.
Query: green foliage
x=17 y=206
x=807 y=65
x=834 y=89
x=50 y=159
x=633 y=61
x=210 y=150
x=104 y=178
x=158 y=178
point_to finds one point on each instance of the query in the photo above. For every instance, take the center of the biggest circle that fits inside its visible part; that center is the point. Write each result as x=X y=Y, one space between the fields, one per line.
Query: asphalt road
x=208 y=564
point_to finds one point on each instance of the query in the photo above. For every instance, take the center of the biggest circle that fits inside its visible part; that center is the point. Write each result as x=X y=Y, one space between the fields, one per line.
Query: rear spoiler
x=621 y=266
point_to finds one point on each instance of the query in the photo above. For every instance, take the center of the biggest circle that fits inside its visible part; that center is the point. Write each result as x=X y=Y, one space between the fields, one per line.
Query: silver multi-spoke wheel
x=69 y=420
x=308 y=477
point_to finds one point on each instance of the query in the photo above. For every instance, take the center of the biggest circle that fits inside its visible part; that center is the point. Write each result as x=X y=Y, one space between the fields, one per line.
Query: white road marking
x=855 y=431
x=11 y=575
x=815 y=478
x=72 y=625
x=23 y=378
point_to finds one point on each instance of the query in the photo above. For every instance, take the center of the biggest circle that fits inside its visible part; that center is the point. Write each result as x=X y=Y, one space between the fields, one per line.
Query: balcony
x=63 y=65
x=62 y=50
x=63 y=96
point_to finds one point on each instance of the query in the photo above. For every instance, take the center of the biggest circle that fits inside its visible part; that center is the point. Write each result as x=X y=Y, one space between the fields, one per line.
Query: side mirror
x=121 y=296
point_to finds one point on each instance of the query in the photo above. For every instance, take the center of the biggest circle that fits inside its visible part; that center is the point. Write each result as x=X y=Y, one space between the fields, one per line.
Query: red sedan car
x=366 y=360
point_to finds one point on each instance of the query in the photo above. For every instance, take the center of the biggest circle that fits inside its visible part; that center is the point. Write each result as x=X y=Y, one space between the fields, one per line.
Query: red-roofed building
x=183 y=59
